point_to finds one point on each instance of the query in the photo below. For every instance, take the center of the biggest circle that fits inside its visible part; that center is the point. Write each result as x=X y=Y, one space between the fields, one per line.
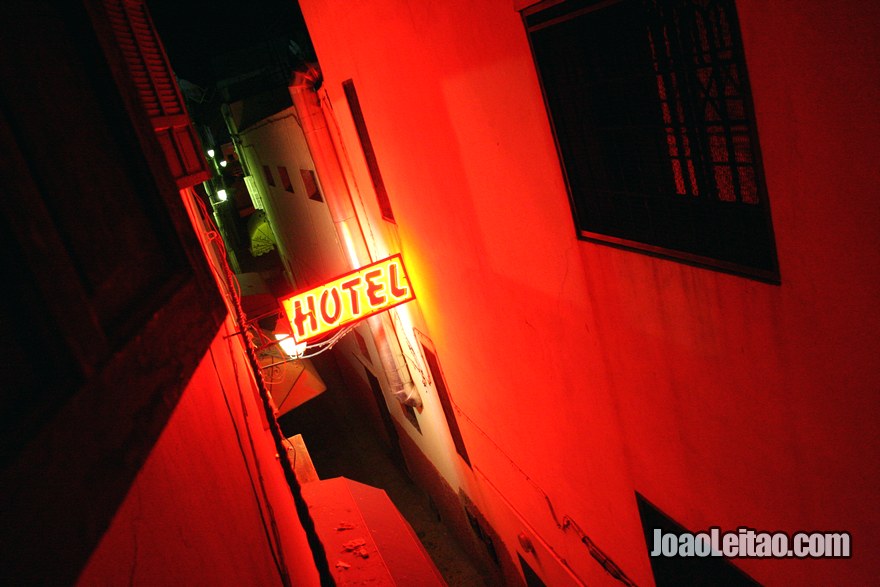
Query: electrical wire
x=324 y=347
x=229 y=285
x=272 y=519
x=565 y=523
x=274 y=544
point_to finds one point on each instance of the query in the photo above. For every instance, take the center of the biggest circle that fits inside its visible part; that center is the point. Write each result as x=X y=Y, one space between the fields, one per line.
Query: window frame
x=426 y=345
x=769 y=275
x=357 y=115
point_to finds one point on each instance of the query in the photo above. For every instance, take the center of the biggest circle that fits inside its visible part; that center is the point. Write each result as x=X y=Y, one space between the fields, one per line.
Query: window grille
x=651 y=108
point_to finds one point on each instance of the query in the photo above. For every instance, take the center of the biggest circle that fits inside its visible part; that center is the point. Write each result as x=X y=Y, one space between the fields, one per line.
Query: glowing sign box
x=348 y=298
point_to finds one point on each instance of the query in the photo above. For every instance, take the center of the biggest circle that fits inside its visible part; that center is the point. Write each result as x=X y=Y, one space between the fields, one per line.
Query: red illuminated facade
x=613 y=333
x=628 y=337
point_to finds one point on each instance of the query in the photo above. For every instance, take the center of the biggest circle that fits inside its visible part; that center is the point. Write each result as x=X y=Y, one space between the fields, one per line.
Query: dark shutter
x=157 y=89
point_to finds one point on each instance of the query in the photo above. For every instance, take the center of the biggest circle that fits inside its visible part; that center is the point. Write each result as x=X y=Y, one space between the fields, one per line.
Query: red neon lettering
x=374 y=288
x=348 y=298
x=299 y=316
x=349 y=287
x=393 y=284
x=337 y=305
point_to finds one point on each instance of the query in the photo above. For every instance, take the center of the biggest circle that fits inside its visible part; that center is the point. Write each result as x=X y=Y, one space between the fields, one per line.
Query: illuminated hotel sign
x=349 y=298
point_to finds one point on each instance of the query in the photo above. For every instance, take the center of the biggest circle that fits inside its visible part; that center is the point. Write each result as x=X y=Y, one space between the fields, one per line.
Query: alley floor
x=341 y=443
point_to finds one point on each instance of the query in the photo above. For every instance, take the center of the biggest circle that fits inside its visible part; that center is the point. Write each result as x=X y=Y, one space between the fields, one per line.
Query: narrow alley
x=496 y=293
x=342 y=443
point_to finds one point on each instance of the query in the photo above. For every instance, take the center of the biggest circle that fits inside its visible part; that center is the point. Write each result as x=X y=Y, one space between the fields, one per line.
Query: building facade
x=644 y=252
x=137 y=441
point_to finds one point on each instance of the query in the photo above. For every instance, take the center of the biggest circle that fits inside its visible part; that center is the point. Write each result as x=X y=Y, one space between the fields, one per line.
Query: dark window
x=410 y=413
x=267 y=171
x=652 y=111
x=285 y=179
x=698 y=571
x=310 y=182
x=474 y=519
x=367 y=146
x=387 y=423
x=532 y=578
x=445 y=402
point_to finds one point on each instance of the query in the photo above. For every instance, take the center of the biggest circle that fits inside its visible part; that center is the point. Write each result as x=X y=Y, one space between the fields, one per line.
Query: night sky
x=195 y=30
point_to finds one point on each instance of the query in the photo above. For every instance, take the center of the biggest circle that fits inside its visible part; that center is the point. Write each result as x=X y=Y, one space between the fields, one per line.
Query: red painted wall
x=202 y=508
x=584 y=373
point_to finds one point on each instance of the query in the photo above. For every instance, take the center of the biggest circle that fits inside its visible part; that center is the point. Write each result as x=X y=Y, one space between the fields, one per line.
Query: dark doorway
x=673 y=571
x=395 y=453
x=532 y=578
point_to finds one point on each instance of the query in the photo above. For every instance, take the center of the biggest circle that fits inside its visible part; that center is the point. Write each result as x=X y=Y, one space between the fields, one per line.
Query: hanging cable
x=563 y=524
x=273 y=538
